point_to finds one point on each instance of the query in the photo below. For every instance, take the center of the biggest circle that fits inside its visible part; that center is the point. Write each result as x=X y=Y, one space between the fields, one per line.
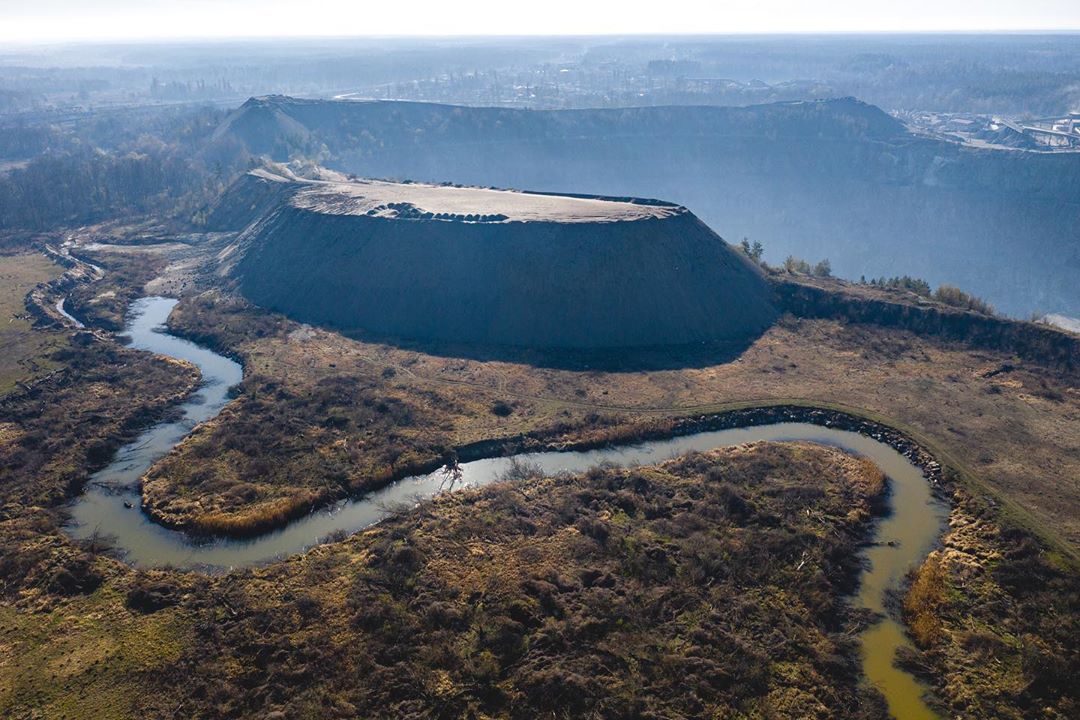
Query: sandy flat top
x=386 y=199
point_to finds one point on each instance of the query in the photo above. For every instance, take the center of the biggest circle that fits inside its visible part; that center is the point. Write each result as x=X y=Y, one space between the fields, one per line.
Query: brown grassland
x=103 y=303
x=701 y=587
x=26 y=352
x=320 y=415
x=995 y=619
x=711 y=585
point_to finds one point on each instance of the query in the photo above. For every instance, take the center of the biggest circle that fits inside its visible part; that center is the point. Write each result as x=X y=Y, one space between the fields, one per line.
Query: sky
x=29 y=21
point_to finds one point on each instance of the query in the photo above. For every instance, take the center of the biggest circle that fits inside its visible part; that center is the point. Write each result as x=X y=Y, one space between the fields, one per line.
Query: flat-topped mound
x=490 y=267
x=467 y=204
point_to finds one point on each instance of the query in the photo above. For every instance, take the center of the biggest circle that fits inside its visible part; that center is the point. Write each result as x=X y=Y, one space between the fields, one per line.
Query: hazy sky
x=36 y=20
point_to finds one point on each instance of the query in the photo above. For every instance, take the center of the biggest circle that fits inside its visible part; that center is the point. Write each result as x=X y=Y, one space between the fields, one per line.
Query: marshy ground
x=701 y=586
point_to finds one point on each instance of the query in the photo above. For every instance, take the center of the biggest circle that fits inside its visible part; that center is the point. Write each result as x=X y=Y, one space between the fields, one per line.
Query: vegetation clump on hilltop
x=947 y=294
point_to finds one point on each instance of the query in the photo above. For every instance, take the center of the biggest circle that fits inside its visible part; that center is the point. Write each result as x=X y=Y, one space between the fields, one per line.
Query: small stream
x=110 y=505
x=62 y=309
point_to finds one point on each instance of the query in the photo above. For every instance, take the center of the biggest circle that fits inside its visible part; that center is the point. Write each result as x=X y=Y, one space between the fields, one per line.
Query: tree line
x=946 y=294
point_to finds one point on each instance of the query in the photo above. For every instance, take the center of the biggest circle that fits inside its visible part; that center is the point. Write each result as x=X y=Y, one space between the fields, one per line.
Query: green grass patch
x=26 y=350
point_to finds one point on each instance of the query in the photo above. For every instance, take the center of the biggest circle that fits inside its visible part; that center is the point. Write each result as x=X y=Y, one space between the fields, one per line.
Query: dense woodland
x=111 y=167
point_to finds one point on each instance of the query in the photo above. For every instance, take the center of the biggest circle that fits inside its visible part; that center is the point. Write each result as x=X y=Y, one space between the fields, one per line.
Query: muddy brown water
x=110 y=504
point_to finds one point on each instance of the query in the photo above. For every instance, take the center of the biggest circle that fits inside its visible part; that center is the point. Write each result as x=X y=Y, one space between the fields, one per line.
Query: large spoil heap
x=489 y=267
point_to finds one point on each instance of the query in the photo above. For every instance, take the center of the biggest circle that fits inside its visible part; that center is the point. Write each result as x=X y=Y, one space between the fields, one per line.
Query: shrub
x=958 y=298
x=796 y=265
x=76 y=576
x=754 y=252
x=823 y=268
x=521 y=470
x=923 y=600
x=149 y=595
x=916 y=285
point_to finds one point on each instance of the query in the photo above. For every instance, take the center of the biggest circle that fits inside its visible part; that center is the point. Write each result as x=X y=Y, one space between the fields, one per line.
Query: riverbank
x=108 y=502
x=92 y=586
x=699 y=586
x=116 y=487
x=280 y=514
x=324 y=416
x=993 y=614
x=111 y=501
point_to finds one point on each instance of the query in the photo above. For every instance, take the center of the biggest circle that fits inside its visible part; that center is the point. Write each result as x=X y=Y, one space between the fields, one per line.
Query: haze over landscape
x=564 y=360
x=51 y=20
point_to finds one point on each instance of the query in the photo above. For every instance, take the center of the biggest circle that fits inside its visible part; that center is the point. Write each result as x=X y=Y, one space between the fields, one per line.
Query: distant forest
x=111 y=168
x=1010 y=74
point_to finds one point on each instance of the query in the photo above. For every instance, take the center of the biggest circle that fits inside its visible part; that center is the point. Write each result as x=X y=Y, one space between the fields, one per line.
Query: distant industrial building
x=1055 y=131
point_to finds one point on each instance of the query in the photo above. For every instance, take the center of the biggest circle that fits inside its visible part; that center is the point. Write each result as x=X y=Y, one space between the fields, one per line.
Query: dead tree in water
x=451 y=471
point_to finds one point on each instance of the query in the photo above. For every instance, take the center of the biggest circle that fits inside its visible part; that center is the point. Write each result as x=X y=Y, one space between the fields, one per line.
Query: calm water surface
x=61 y=307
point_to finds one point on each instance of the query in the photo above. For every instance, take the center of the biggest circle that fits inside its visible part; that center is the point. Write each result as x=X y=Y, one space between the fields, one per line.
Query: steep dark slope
x=499 y=268
x=253 y=195
x=838 y=179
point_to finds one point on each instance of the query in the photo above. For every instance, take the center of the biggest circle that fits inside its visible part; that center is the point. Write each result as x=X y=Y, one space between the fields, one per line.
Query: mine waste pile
x=487 y=267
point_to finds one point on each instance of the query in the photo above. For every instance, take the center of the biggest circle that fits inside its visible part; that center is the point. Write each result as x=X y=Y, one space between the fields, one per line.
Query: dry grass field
x=25 y=350
x=477 y=602
x=592 y=595
x=317 y=405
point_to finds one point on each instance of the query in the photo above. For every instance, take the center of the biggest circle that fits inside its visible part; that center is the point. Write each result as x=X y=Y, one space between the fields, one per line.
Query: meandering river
x=111 y=503
x=62 y=309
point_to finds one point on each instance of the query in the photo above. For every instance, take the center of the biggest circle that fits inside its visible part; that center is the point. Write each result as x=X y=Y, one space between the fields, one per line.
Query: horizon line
x=166 y=39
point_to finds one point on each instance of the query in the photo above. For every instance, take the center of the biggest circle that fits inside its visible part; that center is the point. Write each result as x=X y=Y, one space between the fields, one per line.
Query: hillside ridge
x=837 y=179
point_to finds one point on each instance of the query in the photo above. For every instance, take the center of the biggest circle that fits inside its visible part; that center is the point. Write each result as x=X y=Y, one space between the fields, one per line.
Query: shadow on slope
x=613 y=360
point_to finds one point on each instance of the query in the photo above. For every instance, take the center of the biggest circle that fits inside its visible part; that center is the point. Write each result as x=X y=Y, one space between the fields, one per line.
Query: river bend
x=110 y=505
